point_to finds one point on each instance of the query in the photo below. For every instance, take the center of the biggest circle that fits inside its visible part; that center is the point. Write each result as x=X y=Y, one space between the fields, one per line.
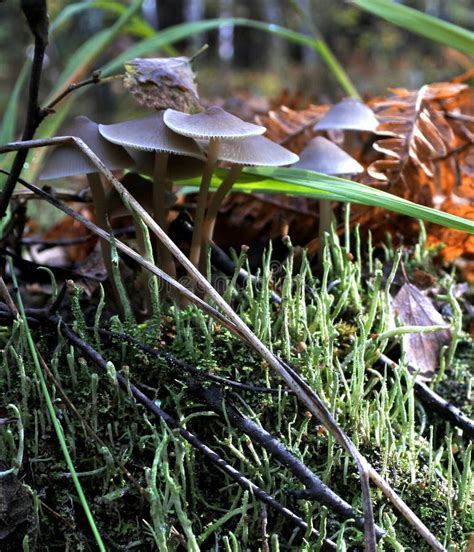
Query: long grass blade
x=184 y=30
x=300 y=182
x=52 y=413
x=420 y=23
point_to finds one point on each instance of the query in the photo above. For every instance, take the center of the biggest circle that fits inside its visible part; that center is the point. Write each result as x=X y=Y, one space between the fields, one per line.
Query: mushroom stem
x=325 y=220
x=196 y=242
x=216 y=202
x=160 y=211
x=98 y=197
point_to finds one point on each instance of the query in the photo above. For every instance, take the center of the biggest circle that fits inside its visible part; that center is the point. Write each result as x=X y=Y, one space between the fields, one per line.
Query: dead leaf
x=163 y=83
x=422 y=349
x=417 y=125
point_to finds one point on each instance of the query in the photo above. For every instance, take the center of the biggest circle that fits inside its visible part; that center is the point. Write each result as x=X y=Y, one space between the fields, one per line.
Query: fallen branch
x=435 y=402
x=182 y=366
x=315 y=488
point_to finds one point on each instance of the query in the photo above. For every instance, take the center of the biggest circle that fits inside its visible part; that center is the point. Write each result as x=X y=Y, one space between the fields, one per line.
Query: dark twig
x=64 y=195
x=36 y=13
x=182 y=366
x=48 y=244
x=93 y=79
x=435 y=402
x=30 y=269
x=315 y=488
x=211 y=455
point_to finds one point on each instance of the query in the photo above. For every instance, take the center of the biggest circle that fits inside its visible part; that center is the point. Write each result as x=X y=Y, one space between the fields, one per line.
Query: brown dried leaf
x=163 y=83
x=422 y=349
x=418 y=126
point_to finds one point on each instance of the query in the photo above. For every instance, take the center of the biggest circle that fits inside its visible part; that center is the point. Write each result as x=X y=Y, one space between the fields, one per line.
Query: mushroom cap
x=150 y=134
x=214 y=122
x=255 y=151
x=68 y=160
x=349 y=114
x=180 y=167
x=141 y=189
x=322 y=155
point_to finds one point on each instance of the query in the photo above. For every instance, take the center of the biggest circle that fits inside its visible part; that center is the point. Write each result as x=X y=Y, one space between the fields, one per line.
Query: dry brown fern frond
x=416 y=130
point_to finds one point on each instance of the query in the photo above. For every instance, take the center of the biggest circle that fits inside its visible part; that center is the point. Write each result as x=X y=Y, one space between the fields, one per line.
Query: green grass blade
x=184 y=30
x=320 y=186
x=354 y=192
x=420 y=23
x=52 y=413
x=137 y=25
x=9 y=120
x=92 y=48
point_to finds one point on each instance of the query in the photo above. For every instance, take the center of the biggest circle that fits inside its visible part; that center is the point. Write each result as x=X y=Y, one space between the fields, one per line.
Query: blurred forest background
x=246 y=63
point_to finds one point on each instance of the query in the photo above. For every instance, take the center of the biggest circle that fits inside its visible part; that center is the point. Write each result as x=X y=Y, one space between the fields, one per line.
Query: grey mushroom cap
x=256 y=151
x=349 y=114
x=214 y=122
x=150 y=134
x=322 y=155
x=179 y=167
x=141 y=189
x=69 y=160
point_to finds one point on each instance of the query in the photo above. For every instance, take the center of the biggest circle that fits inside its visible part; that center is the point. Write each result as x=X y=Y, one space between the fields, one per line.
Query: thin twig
x=8 y=298
x=182 y=366
x=93 y=79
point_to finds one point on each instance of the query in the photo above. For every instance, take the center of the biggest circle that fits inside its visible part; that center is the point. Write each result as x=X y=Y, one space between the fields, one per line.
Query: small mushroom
x=68 y=160
x=213 y=124
x=253 y=151
x=349 y=114
x=180 y=167
x=151 y=134
x=322 y=155
x=141 y=189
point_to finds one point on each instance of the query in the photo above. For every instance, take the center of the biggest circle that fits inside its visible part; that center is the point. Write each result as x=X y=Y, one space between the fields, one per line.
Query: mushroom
x=253 y=151
x=213 y=124
x=151 y=134
x=348 y=114
x=68 y=160
x=322 y=155
x=141 y=190
x=180 y=167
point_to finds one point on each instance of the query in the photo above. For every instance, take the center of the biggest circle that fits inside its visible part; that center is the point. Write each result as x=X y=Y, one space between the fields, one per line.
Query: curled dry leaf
x=414 y=128
x=163 y=83
x=422 y=349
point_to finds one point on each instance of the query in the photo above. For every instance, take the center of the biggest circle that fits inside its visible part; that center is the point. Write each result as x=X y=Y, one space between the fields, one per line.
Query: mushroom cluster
x=169 y=146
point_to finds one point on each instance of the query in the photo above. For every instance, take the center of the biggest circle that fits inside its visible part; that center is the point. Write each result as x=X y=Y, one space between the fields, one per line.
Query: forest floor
x=149 y=487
